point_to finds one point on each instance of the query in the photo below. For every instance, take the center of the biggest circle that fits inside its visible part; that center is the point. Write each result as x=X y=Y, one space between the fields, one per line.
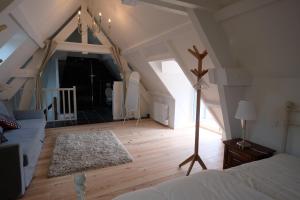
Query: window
x=10 y=46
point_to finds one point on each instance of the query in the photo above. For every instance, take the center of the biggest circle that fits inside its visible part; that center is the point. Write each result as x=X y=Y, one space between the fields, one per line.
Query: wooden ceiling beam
x=81 y=47
x=166 y=6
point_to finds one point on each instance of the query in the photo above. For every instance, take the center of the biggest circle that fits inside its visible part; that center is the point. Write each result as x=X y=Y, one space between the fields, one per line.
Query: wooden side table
x=234 y=155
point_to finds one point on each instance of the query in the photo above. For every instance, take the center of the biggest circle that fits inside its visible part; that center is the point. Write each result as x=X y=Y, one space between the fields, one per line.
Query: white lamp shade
x=245 y=111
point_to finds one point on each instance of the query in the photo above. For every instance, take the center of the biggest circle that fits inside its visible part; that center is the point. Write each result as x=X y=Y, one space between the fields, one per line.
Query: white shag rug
x=76 y=152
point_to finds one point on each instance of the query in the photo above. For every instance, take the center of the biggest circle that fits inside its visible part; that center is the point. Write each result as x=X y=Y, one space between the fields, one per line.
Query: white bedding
x=277 y=177
x=274 y=178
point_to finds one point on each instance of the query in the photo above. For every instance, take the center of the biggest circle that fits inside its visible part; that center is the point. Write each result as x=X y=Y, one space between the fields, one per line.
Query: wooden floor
x=156 y=150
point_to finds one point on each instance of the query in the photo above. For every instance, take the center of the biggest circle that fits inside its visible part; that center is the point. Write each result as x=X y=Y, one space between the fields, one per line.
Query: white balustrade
x=60 y=104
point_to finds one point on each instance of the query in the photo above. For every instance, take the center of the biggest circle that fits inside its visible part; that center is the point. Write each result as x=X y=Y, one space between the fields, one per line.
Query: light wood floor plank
x=157 y=151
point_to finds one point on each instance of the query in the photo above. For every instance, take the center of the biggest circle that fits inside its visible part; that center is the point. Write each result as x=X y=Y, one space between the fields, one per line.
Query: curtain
x=38 y=85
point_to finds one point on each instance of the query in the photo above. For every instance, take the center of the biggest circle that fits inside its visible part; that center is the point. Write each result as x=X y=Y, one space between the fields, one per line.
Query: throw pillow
x=7 y=122
x=2 y=138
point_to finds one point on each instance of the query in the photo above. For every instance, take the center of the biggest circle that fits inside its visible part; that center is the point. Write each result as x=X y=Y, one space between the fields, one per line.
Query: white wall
x=270 y=96
x=50 y=74
x=171 y=44
x=265 y=42
x=167 y=100
x=50 y=80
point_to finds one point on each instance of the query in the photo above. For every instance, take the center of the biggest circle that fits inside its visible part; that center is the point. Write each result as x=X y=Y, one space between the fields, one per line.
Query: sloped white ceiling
x=266 y=40
x=224 y=3
x=134 y=24
x=45 y=16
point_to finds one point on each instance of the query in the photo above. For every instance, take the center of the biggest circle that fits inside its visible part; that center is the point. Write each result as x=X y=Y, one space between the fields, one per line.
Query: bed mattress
x=276 y=178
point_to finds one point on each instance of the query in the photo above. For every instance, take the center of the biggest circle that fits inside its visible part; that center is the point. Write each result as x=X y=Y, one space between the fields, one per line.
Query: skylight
x=171 y=67
x=11 y=45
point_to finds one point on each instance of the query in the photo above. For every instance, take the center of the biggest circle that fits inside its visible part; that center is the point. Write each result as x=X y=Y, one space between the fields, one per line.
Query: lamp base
x=243 y=144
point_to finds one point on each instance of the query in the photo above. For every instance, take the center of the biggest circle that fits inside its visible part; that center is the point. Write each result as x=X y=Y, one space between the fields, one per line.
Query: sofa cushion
x=23 y=136
x=35 y=123
x=32 y=123
x=8 y=122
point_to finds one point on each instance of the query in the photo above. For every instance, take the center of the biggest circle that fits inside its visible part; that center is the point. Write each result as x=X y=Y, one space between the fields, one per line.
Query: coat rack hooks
x=199 y=73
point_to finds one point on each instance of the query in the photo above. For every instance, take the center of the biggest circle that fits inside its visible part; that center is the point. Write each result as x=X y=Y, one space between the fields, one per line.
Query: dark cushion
x=7 y=122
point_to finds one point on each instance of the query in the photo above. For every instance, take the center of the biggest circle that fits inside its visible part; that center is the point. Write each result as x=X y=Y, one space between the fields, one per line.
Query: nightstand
x=234 y=155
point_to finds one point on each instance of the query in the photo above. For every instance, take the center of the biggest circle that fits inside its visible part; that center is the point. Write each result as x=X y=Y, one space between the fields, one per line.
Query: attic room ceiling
x=219 y=3
x=135 y=23
x=131 y=25
x=46 y=17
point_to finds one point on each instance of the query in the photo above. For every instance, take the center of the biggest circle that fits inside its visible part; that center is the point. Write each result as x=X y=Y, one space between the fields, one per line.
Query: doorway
x=93 y=80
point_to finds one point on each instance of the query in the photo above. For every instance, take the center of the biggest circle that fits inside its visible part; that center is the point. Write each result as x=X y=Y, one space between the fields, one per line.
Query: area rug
x=77 y=152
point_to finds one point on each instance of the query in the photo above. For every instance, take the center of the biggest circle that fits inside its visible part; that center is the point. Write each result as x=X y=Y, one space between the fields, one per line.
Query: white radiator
x=161 y=113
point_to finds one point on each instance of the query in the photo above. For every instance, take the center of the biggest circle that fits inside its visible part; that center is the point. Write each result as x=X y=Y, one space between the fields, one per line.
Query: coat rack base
x=193 y=158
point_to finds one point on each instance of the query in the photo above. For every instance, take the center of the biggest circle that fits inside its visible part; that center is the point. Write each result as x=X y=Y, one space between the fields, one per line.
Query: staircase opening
x=93 y=77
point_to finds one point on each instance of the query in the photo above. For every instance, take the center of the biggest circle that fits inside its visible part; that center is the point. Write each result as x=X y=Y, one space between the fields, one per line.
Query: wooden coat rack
x=199 y=73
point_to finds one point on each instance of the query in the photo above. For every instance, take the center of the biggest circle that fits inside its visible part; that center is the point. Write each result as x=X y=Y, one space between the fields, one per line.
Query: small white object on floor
x=80 y=186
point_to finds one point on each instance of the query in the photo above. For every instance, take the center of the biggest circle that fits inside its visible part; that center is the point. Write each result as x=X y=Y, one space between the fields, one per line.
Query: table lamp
x=245 y=111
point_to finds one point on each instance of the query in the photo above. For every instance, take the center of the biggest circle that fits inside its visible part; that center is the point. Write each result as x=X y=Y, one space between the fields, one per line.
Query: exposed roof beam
x=167 y=6
x=84 y=27
x=67 y=30
x=148 y=40
x=99 y=35
x=180 y=6
x=240 y=8
x=80 y=47
x=12 y=89
x=204 y=4
x=25 y=73
x=4 y=86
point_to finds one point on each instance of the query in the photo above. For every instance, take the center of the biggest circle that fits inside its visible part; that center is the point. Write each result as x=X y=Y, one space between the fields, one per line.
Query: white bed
x=275 y=178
